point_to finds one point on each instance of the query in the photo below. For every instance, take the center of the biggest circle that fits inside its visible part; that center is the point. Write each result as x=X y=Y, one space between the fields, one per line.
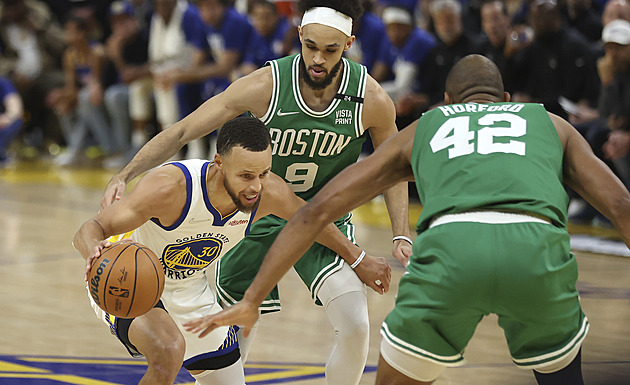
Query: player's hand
x=96 y=252
x=243 y=314
x=402 y=251
x=617 y=145
x=375 y=272
x=113 y=192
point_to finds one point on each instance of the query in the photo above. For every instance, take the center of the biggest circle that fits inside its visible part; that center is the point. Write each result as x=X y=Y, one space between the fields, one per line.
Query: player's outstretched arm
x=592 y=179
x=278 y=199
x=379 y=116
x=250 y=93
x=352 y=187
x=144 y=202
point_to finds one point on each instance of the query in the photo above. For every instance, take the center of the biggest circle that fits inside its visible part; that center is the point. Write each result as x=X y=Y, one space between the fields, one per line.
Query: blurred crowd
x=98 y=78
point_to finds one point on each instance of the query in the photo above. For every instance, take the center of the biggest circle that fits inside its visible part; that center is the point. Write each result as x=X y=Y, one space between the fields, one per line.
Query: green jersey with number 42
x=311 y=147
x=499 y=156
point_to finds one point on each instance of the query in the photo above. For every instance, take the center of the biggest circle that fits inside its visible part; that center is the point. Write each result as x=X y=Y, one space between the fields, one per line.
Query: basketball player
x=201 y=209
x=492 y=233
x=317 y=106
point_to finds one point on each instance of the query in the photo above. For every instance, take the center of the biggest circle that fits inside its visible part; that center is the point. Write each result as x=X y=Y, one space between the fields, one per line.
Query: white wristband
x=404 y=238
x=356 y=263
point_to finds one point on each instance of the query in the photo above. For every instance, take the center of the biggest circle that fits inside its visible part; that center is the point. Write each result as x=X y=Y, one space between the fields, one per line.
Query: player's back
x=500 y=156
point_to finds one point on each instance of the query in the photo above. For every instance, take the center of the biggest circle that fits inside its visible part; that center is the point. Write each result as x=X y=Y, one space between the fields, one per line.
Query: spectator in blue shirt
x=267 y=42
x=370 y=35
x=129 y=99
x=175 y=33
x=227 y=35
x=406 y=49
x=11 y=116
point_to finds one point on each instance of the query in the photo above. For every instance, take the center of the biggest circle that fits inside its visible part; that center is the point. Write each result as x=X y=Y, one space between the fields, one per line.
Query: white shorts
x=141 y=99
x=185 y=301
x=167 y=106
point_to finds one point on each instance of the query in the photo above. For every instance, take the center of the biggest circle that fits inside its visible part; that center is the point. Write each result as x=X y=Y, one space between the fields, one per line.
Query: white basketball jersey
x=186 y=249
x=200 y=236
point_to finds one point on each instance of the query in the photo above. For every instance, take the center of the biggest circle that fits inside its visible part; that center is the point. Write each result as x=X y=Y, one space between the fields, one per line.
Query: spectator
x=176 y=33
x=128 y=101
x=557 y=67
x=11 y=117
x=496 y=26
x=80 y=103
x=370 y=35
x=615 y=9
x=581 y=15
x=227 y=34
x=403 y=54
x=142 y=11
x=615 y=96
x=267 y=42
x=606 y=144
x=33 y=44
x=452 y=45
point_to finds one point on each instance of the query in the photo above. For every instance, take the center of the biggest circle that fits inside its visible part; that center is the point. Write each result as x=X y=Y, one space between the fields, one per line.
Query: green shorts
x=237 y=268
x=460 y=272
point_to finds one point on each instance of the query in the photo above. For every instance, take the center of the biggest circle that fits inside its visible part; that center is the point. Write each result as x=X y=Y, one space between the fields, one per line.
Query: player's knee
x=356 y=329
x=167 y=354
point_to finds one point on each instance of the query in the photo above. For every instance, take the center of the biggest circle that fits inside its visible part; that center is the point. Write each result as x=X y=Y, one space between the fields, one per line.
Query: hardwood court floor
x=49 y=335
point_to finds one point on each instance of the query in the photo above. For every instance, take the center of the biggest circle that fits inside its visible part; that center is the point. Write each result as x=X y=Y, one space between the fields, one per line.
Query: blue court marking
x=52 y=370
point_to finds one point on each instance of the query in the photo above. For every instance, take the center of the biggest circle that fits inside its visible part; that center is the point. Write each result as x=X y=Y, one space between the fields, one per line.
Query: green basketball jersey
x=310 y=147
x=500 y=156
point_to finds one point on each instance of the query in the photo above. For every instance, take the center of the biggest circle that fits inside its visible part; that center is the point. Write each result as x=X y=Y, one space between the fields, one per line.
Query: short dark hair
x=245 y=131
x=265 y=3
x=503 y=5
x=78 y=21
x=352 y=8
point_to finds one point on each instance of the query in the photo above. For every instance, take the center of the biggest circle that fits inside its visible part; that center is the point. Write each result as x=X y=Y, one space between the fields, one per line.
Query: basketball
x=126 y=280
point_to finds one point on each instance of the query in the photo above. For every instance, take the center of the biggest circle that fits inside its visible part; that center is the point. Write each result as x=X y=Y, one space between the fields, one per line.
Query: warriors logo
x=192 y=255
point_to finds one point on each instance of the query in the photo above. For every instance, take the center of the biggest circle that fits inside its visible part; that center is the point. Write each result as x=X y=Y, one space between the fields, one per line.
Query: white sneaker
x=67 y=158
x=115 y=162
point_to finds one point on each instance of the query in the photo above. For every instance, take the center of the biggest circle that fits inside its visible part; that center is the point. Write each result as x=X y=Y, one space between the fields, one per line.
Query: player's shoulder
x=375 y=94
x=376 y=100
x=259 y=79
x=166 y=179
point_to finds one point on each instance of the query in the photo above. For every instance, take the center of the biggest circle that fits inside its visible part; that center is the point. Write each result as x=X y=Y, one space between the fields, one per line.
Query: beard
x=320 y=84
x=235 y=198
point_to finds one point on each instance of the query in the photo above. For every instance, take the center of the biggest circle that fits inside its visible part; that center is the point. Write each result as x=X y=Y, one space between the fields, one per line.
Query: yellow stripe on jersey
x=119 y=237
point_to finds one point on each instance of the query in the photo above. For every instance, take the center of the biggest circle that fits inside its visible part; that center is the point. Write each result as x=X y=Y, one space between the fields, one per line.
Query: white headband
x=329 y=17
x=396 y=15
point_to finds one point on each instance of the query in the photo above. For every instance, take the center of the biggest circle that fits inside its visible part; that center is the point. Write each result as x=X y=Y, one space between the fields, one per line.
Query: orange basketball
x=127 y=280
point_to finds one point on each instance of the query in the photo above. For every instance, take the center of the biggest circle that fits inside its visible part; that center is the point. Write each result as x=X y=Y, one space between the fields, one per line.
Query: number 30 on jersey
x=456 y=136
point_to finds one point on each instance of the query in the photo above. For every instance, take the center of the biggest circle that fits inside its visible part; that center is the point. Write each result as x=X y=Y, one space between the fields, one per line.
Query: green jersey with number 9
x=311 y=147
x=499 y=156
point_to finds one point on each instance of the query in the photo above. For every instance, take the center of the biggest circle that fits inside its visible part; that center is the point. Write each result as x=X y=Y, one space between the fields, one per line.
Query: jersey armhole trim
x=275 y=92
x=179 y=221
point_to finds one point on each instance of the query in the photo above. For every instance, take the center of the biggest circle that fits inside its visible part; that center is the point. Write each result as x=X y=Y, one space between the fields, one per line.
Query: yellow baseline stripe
x=11 y=367
x=283 y=372
x=65 y=378
x=303 y=371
